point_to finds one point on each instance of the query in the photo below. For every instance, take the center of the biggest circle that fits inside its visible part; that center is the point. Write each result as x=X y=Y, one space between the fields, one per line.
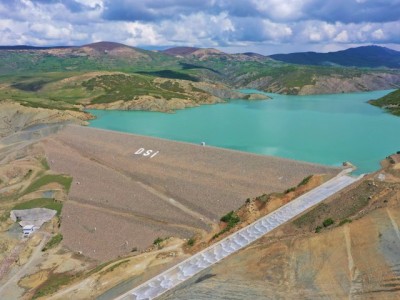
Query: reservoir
x=324 y=129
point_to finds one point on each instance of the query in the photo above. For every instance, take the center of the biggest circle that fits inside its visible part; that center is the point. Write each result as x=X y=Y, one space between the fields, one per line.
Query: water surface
x=325 y=129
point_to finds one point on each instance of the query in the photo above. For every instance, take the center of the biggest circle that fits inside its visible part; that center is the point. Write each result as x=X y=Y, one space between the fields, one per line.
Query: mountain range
x=40 y=73
x=364 y=56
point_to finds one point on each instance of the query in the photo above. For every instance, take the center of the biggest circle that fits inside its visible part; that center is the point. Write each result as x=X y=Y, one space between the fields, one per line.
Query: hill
x=193 y=52
x=390 y=102
x=366 y=56
x=26 y=47
x=29 y=75
x=183 y=51
x=211 y=53
x=355 y=257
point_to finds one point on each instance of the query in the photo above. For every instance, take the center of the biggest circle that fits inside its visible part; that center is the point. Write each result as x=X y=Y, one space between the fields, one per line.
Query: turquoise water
x=326 y=129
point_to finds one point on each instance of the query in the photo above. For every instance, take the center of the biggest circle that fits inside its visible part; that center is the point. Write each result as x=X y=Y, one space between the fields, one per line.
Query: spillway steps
x=238 y=240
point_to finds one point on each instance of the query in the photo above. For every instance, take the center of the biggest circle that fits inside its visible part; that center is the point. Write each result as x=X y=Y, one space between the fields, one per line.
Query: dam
x=132 y=199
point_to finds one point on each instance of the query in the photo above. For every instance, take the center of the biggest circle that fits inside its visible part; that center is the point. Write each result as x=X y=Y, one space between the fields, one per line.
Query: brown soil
x=351 y=260
x=252 y=210
x=132 y=199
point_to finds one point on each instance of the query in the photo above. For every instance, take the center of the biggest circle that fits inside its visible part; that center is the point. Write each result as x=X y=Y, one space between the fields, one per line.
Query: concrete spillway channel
x=238 y=240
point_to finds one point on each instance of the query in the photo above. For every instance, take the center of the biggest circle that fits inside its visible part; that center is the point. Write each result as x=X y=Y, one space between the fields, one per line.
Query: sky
x=263 y=26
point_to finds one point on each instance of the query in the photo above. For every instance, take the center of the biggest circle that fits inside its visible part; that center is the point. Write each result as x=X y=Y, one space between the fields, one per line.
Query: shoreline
x=213 y=147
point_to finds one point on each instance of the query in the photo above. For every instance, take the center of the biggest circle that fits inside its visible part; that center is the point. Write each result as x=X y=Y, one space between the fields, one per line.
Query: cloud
x=353 y=11
x=228 y=24
x=156 y=10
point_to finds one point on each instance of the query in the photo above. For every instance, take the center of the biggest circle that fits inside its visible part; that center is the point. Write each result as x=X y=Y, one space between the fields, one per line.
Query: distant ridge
x=254 y=55
x=183 y=51
x=365 y=56
x=26 y=47
x=106 y=46
x=193 y=51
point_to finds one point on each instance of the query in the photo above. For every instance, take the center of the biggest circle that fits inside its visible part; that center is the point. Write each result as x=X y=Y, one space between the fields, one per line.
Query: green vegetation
x=328 y=222
x=171 y=74
x=41 y=203
x=191 y=241
x=367 y=56
x=231 y=219
x=158 y=241
x=344 y=222
x=312 y=216
x=54 y=283
x=26 y=176
x=4 y=217
x=305 y=181
x=113 y=267
x=45 y=164
x=48 y=80
x=54 y=241
x=127 y=87
x=340 y=209
x=65 y=181
x=390 y=102
x=289 y=190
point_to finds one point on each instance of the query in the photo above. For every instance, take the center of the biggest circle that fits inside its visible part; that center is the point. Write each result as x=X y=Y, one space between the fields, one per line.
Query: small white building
x=28 y=229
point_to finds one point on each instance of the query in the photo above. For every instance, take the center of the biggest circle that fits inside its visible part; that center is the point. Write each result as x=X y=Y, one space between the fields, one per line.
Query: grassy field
x=42 y=90
x=65 y=181
x=41 y=203
x=66 y=90
x=40 y=79
x=127 y=87
x=54 y=241
x=54 y=283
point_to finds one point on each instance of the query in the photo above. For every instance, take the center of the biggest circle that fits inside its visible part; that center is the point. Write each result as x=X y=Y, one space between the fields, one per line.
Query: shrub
x=318 y=229
x=328 y=222
x=305 y=180
x=54 y=241
x=292 y=189
x=344 y=222
x=231 y=219
x=190 y=242
x=158 y=241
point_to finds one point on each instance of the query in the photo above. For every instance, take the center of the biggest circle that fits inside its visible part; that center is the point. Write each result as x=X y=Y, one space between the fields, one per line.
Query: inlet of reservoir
x=325 y=129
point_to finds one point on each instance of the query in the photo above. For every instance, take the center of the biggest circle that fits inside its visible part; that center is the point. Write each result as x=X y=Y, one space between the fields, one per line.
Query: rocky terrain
x=354 y=257
x=194 y=65
x=390 y=102
x=333 y=84
x=183 y=191
x=15 y=117
x=117 y=195
x=179 y=192
x=185 y=94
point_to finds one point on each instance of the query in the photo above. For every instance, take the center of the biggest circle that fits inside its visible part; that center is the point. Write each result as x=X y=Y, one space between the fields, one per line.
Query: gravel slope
x=181 y=188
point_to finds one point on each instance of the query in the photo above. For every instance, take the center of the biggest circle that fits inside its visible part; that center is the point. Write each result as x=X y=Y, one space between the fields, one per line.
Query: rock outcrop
x=15 y=117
